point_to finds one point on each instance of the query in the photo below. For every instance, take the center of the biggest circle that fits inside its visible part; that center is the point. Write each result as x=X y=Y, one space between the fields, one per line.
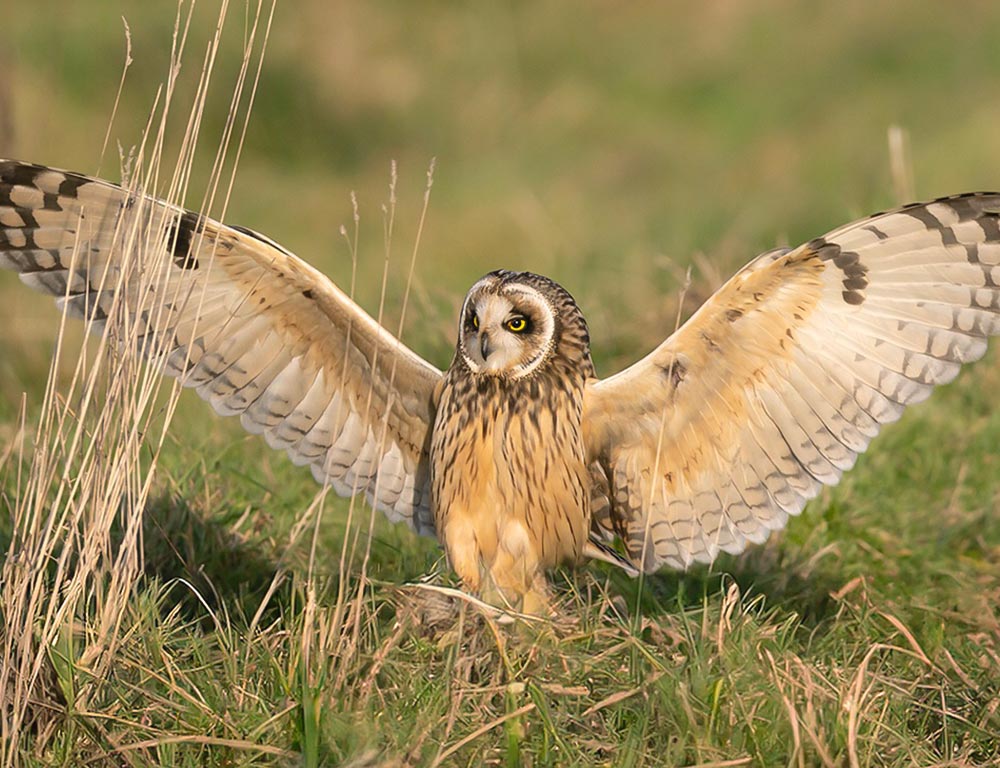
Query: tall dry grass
x=86 y=468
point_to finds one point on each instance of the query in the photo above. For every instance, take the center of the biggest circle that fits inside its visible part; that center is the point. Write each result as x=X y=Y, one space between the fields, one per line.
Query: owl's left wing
x=778 y=382
x=255 y=330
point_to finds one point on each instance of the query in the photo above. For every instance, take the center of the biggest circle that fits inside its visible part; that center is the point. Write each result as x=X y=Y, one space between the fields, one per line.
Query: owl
x=518 y=457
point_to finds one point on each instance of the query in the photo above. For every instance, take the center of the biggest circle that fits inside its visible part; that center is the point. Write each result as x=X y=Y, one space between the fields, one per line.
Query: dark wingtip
x=181 y=239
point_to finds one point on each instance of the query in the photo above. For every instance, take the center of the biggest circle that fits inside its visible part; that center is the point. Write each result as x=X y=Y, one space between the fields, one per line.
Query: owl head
x=514 y=324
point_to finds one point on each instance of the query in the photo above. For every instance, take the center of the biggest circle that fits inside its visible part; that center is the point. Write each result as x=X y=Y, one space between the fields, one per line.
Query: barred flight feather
x=791 y=369
x=255 y=330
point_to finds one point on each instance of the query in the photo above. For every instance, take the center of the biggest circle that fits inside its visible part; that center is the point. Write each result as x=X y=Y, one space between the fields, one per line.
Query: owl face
x=507 y=327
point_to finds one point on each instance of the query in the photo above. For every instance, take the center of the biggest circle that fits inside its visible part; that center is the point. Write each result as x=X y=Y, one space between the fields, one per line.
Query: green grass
x=608 y=147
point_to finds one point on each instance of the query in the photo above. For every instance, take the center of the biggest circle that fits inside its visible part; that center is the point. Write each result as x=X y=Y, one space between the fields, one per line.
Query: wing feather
x=773 y=388
x=255 y=330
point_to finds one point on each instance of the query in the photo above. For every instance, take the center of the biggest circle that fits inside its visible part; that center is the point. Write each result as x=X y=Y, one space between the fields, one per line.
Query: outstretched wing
x=785 y=375
x=254 y=329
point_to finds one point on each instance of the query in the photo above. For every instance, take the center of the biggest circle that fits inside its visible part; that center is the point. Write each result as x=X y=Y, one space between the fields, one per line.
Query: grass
x=608 y=148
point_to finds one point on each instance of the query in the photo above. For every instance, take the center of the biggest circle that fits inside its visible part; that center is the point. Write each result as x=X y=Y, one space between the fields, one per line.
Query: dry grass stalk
x=68 y=579
x=76 y=553
x=901 y=165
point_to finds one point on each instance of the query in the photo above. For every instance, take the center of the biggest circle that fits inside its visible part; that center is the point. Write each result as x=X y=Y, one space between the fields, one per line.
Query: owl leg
x=516 y=590
x=538 y=600
x=463 y=552
x=515 y=579
x=507 y=573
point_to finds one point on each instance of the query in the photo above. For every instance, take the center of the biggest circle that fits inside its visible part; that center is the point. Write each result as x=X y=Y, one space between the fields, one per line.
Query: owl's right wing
x=254 y=329
x=785 y=375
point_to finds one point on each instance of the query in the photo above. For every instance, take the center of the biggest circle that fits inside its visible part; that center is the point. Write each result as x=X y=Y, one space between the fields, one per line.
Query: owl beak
x=484 y=345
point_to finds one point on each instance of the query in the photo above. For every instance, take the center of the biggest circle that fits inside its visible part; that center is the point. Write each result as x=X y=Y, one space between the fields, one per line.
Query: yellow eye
x=517 y=324
x=475 y=322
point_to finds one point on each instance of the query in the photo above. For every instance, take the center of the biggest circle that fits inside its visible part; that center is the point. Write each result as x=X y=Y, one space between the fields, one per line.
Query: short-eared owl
x=518 y=457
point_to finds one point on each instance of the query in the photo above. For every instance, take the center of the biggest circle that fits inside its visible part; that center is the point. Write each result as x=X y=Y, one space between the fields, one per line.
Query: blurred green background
x=604 y=144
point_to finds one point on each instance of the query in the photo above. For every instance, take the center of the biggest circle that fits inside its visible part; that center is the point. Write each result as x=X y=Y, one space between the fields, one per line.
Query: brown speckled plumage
x=517 y=456
x=509 y=477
